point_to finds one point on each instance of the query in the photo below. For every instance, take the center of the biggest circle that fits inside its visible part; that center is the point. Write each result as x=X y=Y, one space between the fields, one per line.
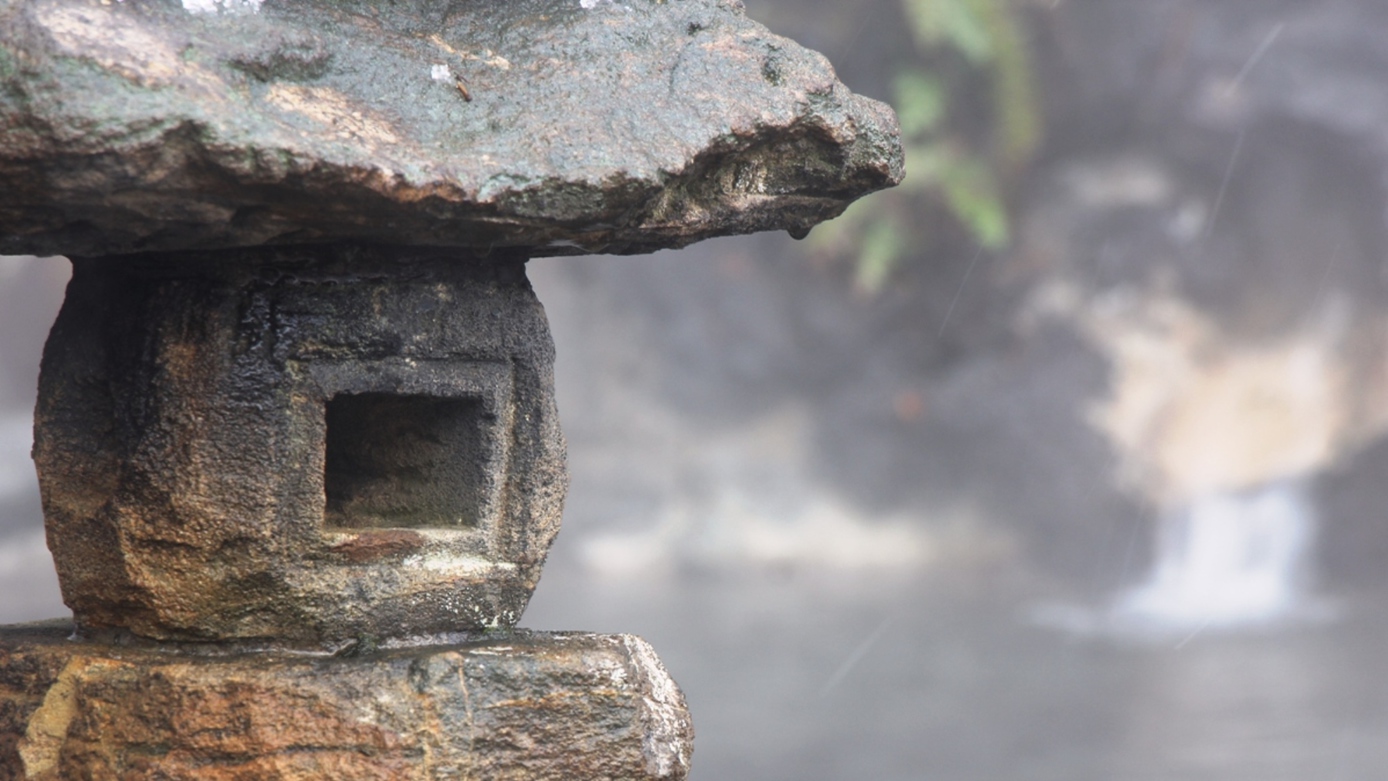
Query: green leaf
x=955 y=23
x=972 y=196
x=920 y=101
x=923 y=164
x=882 y=247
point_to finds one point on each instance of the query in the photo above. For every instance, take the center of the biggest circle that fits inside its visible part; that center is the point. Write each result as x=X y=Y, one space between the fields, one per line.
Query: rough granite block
x=515 y=705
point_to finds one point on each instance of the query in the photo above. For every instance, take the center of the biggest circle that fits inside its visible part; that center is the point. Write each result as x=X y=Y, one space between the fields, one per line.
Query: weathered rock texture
x=622 y=127
x=305 y=445
x=516 y=706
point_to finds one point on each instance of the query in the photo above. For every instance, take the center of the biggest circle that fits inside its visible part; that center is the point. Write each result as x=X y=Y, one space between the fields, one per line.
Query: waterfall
x=1225 y=561
x=1228 y=560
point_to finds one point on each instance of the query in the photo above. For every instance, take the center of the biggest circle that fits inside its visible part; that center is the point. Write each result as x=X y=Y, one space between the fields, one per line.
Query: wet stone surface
x=301 y=445
x=507 y=706
x=543 y=124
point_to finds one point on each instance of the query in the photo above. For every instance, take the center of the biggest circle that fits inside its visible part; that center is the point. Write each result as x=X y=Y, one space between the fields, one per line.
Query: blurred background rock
x=1136 y=273
x=31 y=289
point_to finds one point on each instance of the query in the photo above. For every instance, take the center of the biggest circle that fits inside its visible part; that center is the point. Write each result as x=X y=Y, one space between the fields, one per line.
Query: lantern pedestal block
x=499 y=705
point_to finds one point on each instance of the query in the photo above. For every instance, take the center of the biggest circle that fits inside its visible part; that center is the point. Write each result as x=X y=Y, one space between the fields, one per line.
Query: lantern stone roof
x=550 y=127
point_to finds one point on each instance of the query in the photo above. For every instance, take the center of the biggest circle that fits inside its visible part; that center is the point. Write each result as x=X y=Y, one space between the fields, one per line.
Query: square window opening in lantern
x=405 y=461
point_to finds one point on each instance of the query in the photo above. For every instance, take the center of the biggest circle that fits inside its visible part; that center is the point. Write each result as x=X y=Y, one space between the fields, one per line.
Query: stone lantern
x=296 y=436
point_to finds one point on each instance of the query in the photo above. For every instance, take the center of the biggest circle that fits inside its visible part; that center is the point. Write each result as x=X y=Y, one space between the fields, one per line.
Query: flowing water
x=1227 y=562
x=1231 y=560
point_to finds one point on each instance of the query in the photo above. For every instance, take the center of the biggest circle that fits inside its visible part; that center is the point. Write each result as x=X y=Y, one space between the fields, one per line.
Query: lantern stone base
x=506 y=705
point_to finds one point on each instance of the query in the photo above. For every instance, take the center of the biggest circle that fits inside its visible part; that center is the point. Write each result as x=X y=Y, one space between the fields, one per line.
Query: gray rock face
x=556 y=126
x=299 y=446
